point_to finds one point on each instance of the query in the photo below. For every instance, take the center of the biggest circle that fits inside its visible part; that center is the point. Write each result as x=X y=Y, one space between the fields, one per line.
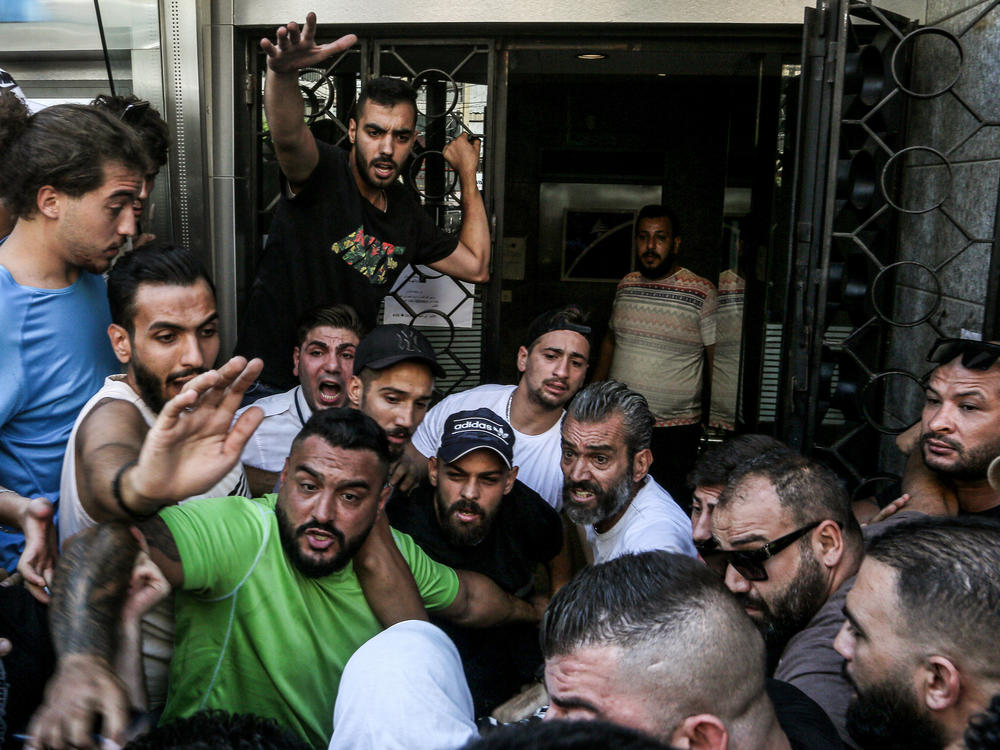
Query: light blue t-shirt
x=54 y=355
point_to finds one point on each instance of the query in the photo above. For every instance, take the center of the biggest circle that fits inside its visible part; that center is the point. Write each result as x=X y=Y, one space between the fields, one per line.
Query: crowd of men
x=300 y=548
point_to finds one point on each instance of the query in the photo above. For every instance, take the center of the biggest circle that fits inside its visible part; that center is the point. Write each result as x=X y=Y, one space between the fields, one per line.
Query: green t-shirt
x=255 y=635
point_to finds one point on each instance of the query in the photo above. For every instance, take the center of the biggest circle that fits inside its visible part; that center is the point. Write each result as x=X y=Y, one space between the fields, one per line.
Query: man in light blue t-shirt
x=72 y=200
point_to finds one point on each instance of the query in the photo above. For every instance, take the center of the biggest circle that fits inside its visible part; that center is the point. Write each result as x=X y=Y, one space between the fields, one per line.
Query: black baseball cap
x=386 y=345
x=467 y=431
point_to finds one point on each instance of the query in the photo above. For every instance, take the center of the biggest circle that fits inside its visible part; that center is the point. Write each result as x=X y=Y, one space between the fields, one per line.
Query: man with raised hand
x=346 y=226
x=245 y=570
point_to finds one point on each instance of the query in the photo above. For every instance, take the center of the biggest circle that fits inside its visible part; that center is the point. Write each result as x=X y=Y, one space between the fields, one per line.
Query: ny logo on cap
x=407 y=341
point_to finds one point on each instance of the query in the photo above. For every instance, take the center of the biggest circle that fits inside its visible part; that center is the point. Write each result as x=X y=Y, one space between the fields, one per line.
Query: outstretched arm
x=90 y=588
x=295 y=48
x=471 y=259
x=481 y=603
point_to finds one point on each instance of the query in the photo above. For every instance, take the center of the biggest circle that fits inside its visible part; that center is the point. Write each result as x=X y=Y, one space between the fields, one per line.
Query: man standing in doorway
x=662 y=329
x=346 y=226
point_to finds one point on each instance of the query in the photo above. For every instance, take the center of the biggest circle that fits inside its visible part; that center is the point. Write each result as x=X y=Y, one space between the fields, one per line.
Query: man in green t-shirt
x=269 y=604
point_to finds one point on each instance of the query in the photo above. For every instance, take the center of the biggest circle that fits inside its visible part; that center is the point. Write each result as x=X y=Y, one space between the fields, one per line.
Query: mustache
x=185 y=373
x=466 y=506
x=585 y=486
x=329 y=528
x=746 y=600
x=928 y=436
x=400 y=432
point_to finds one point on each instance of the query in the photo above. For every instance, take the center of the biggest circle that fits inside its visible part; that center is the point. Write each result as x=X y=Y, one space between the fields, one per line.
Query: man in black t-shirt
x=346 y=227
x=475 y=515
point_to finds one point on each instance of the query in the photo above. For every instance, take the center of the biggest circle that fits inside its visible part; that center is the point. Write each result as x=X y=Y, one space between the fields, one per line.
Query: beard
x=152 y=390
x=969 y=464
x=606 y=504
x=888 y=717
x=792 y=610
x=459 y=533
x=364 y=169
x=307 y=566
x=540 y=398
x=658 y=271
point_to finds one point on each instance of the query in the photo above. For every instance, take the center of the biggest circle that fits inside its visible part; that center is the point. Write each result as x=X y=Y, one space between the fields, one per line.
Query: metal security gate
x=453 y=82
x=883 y=230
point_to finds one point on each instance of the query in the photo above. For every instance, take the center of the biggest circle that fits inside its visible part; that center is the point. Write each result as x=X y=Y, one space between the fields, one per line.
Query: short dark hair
x=146 y=121
x=386 y=91
x=947 y=582
x=714 y=466
x=347 y=428
x=172 y=264
x=602 y=400
x=66 y=146
x=334 y=316
x=806 y=489
x=668 y=610
x=555 y=320
x=654 y=211
x=212 y=729
x=564 y=735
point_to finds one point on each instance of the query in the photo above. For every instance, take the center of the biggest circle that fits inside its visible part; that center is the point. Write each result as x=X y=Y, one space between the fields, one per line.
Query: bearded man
x=662 y=329
x=606 y=483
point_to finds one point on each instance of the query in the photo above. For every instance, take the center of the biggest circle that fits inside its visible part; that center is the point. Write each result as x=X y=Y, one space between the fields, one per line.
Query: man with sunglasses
x=959 y=429
x=789 y=548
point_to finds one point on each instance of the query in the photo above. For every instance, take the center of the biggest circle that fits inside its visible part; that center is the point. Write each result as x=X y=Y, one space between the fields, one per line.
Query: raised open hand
x=194 y=441
x=296 y=47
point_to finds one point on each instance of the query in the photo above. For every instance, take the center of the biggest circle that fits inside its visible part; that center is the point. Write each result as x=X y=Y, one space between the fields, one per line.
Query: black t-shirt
x=806 y=725
x=526 y=532
x=329 y=245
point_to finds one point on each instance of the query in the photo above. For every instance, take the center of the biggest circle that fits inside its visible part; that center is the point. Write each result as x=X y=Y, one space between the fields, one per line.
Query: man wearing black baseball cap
x=475 y=515
x=394 y=371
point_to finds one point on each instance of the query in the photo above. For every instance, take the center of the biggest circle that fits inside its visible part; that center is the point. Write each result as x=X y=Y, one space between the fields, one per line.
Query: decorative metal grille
x=452 y=82
x=892 y=137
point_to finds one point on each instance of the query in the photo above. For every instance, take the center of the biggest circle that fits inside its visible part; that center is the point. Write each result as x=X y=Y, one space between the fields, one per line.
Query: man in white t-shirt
x=553 y=364
x=323 y=358
x=605 y=464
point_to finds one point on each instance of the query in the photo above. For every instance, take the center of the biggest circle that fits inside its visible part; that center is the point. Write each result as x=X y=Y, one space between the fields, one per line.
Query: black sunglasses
x=750 y=563
x=976 y=355
x=133 y=112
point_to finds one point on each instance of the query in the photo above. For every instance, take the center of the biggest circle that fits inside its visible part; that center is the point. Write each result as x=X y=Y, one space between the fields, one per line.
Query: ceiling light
x=591 y=56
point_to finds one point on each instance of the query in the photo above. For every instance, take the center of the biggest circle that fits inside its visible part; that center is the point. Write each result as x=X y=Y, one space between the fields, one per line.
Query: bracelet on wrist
x=116 y=493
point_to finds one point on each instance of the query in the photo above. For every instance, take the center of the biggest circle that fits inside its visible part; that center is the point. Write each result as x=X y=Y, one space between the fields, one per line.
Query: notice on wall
x=434 y=298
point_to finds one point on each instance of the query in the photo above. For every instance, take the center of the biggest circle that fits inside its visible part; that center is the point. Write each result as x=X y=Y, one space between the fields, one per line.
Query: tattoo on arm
x=91 y=585
x=158 y=537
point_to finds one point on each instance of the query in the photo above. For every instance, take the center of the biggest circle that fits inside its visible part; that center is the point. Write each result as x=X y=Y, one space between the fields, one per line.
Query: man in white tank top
x=165 y=331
